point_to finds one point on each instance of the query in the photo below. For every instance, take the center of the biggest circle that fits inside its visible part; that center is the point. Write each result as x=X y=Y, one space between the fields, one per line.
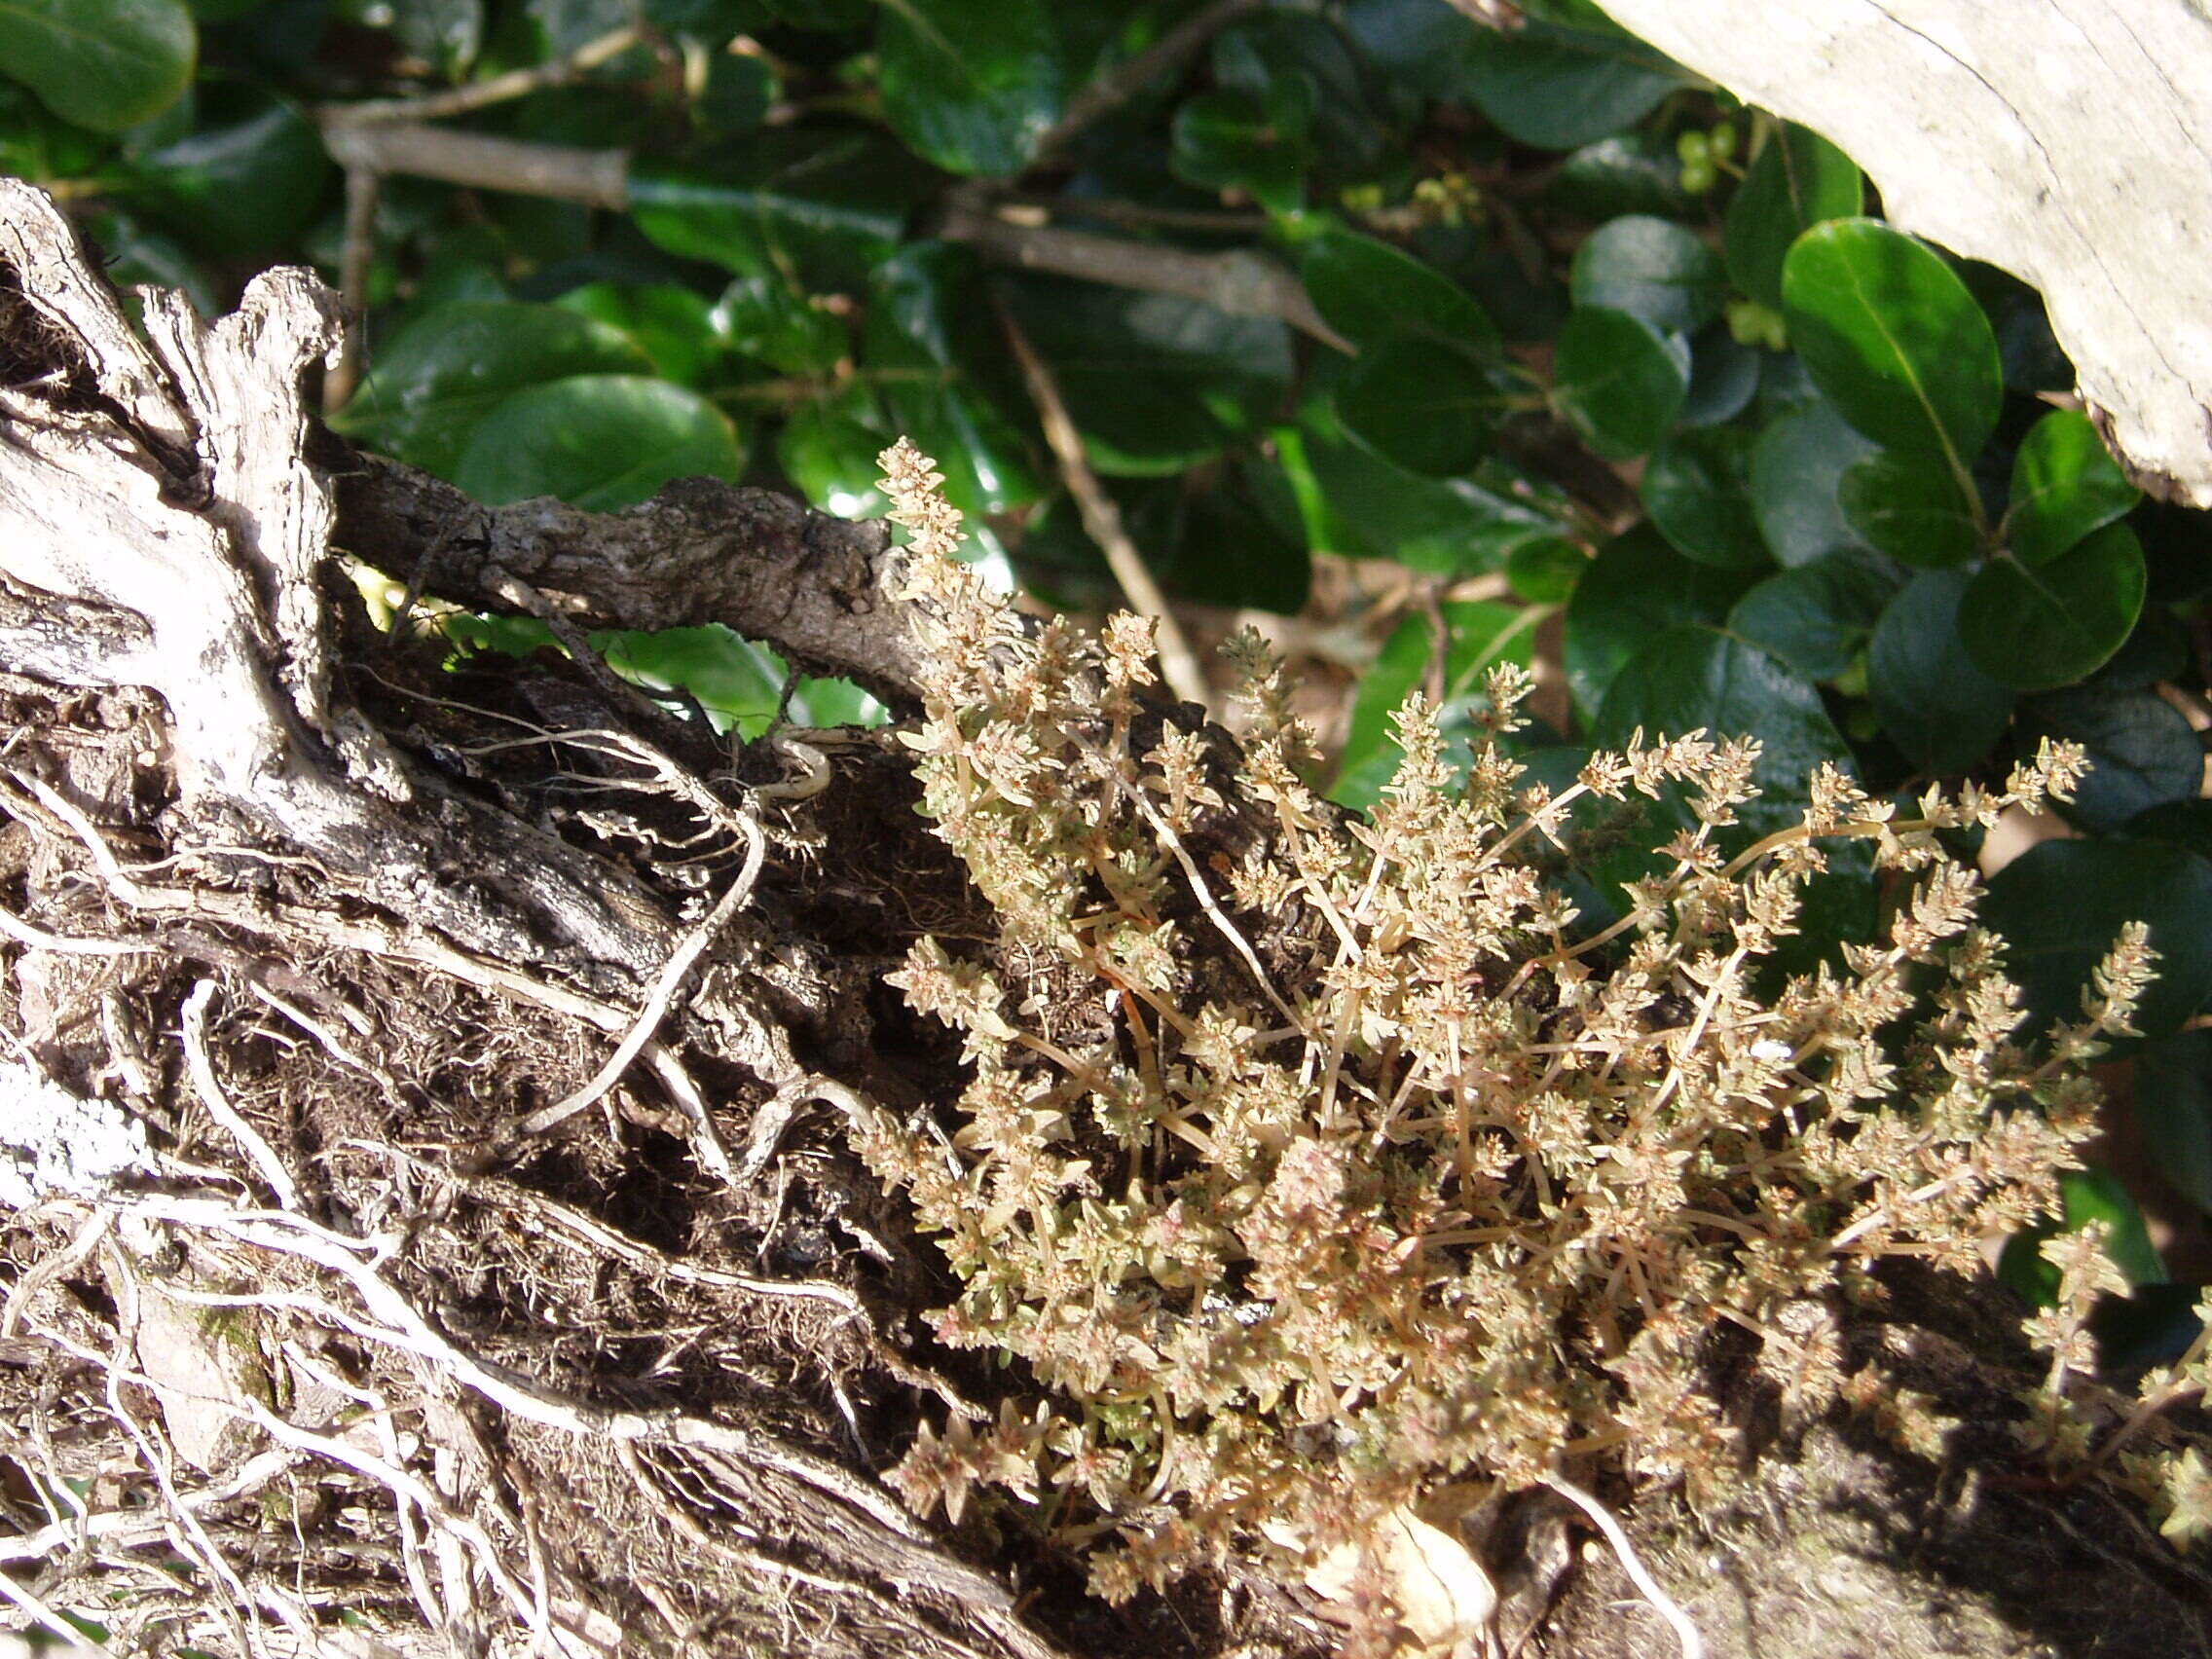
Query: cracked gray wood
x=2069 y=141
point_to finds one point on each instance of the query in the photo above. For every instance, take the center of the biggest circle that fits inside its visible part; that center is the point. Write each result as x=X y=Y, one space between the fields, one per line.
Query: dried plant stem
x=363 y=187
x=2151 y=1405
x=1212 y=907
x=38 y=938
x=1693 y=1644
x=219 y=1107
x=1240 y=282
x=38 y=1609
x=1178 y=663
x=482 y=94
x=680 y=963
x=562 y=172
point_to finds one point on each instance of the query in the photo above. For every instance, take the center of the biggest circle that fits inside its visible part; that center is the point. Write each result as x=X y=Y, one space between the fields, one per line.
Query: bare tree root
x=361 y=1346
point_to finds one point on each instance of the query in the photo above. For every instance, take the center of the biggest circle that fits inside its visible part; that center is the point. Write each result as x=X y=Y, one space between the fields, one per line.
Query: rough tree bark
x=401 y=1293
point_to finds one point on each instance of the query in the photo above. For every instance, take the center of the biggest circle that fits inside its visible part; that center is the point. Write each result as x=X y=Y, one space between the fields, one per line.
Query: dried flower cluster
x=1311 y=1163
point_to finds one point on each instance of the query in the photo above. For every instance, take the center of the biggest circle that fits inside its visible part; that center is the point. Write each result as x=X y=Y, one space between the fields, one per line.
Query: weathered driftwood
x=2064 y=140
x=623 y=1394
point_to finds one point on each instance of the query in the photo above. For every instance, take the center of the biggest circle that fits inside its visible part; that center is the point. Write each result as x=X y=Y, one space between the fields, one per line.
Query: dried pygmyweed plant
x=1314 y=1164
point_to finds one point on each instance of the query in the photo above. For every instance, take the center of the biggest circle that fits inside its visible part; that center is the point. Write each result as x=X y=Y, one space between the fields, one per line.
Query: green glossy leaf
x=1893 y=339
x=1217 y=544
x=1476 y=636
x=832 y=457
x=1942 y=713
x=1653 y=269
x=1697 y=490
x=1543 y=568
x=1373 y=294
x=1232 y=545
x=1422 y=43
x=819 y=207
x=1636 y=587
x=736 y=680
x=2033 y=361
x=671 y=325
x=1797 y=466
x=1285 y=49
x=1419 y=408
x=36 y=144
x=1910 y=507
x=427 y=388
x=106 y=64
x=2085 y=1195
x=919 y=319
x=137 y=254
x=2173 y=1109
x=1358 y=505
x=2039 y=629
x=1629 y=172
x=1558 y=85
x=2142 y=751
x=597 y=441
x=1155 y=383
x=2183 y=824
x=560 y=26
x=827 y=14
x=2060 y=904
x=1797 y=180
x=767 y=319
x=739 y=92
x=250 y=177
x=2161 y=647
x=2065 y=484
x=972 y=86
x=1233 y=138
x=1724 y=378
x=1816 y=617
x=1617 y=380
x=1693 y=675
x=446 y=34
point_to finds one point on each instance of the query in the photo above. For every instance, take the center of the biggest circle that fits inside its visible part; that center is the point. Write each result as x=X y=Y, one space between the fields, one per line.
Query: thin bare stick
x=679 y=962
x=564 y=172
x=589 y=1231
x=219 y=1107
x=363 y=186
x=707 y=1146
x=49 y=1268
x=405 y=1486
x=96 y=843
x=482 y=94
x=1685 y=1632
x=1206 y=902
x=38 y=938
x=139 y=1527
x=1136 y=215
x=1102 y=518
x=1240 y=283
x=47 y=1616
x=320 y=1032
x=1164 y=57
